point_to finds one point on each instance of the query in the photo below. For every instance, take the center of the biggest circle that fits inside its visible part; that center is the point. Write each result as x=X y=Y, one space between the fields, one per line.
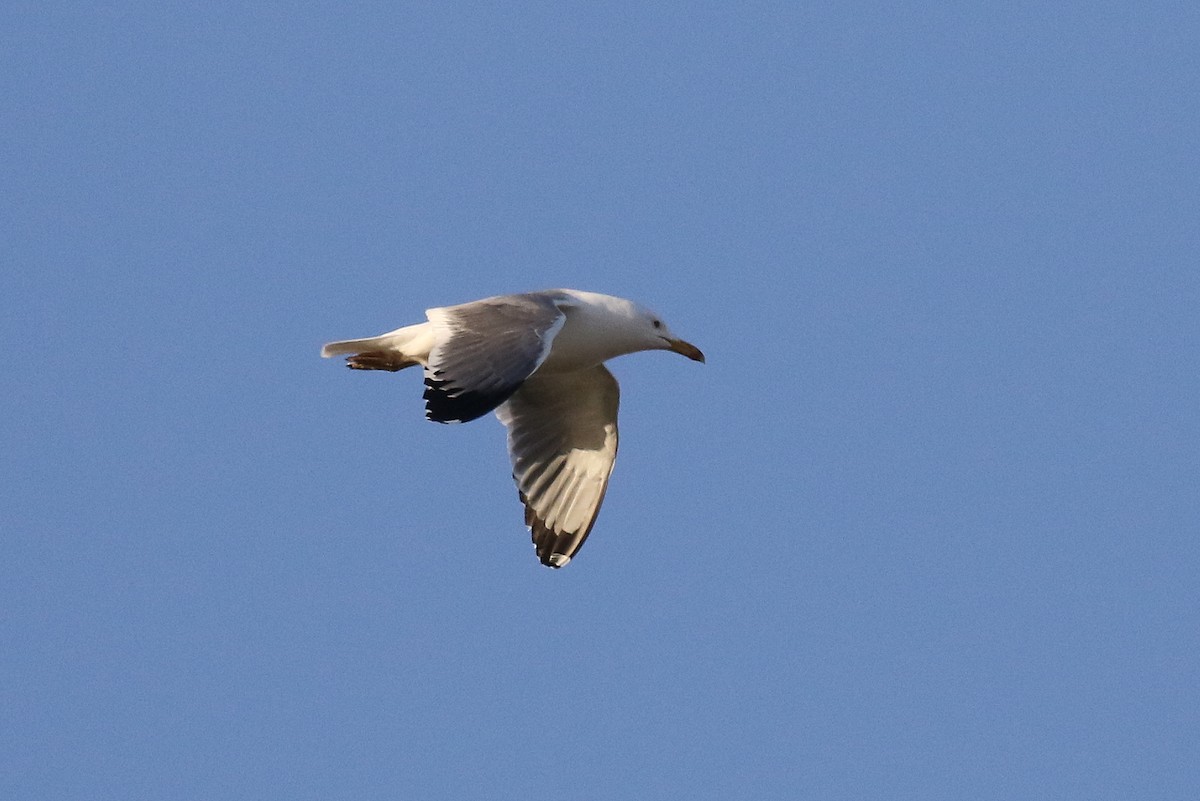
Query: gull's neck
x=597 y=328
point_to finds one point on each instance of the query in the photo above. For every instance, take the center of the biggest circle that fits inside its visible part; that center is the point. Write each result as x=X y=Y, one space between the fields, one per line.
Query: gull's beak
x=685 y=349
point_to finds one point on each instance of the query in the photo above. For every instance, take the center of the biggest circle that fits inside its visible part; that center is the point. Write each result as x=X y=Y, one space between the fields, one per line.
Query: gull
x=537 y=360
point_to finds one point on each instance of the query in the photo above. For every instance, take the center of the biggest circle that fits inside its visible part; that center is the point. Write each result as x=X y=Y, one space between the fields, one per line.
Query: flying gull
x=537 y=359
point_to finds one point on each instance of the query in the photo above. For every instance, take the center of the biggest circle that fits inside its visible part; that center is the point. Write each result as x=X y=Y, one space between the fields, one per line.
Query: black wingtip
x=546 y=540
x=448 y=404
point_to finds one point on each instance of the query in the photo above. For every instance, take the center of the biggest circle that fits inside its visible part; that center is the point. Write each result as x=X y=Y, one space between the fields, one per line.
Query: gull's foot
x=379 y=360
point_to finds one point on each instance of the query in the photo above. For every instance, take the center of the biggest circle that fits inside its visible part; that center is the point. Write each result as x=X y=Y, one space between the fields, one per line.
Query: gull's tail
x=392 y=351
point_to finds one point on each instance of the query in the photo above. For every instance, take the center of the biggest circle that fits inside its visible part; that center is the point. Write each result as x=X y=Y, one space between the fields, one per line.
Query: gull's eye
x=658 y=323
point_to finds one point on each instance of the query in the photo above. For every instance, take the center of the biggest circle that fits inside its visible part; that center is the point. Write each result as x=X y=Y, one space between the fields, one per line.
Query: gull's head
x=666 y=340
x=626 y=326
x=654 y=334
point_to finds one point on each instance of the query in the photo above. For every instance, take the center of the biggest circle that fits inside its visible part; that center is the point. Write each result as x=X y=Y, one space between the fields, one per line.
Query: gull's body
x=537 y=359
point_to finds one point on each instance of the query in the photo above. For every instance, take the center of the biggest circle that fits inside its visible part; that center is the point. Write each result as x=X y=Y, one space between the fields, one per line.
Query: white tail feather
x=354 y=346
x=412 y=342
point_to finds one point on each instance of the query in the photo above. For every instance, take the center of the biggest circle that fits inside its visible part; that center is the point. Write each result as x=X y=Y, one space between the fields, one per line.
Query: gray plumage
x=537 y=360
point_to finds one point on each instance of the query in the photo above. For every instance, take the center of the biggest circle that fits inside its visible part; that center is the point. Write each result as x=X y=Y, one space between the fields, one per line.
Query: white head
x=630 y=326
x=662 y=337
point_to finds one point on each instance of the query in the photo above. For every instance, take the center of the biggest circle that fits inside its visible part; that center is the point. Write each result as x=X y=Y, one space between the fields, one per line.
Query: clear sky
x=924 y=527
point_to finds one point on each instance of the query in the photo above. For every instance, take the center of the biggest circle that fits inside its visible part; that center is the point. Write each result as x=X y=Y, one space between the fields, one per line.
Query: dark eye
x=658 y=323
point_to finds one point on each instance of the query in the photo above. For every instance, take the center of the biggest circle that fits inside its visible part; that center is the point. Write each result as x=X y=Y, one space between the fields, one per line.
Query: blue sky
x=923 y=527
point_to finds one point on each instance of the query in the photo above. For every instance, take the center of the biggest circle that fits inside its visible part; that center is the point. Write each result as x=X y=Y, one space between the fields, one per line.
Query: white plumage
x=537 y=359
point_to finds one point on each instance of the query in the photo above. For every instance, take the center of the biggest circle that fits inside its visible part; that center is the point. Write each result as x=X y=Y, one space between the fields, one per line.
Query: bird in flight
x=537 y=359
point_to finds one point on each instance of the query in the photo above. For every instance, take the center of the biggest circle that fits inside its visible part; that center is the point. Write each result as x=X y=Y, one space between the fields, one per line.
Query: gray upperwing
x=484 y=351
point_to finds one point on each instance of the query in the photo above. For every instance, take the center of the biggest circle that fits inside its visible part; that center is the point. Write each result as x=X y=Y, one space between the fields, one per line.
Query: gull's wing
x=483 y=351
x=562 y=437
